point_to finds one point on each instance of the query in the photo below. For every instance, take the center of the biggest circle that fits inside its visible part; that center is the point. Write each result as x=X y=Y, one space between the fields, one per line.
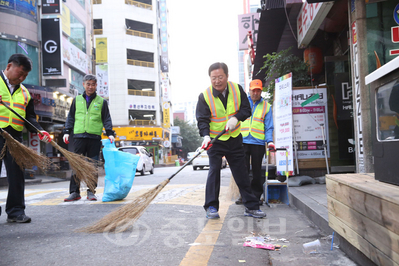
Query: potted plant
x=281 y=63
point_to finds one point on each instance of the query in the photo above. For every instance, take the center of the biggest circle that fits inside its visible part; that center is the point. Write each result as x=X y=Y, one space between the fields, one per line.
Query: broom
x=125 y=216
x=25 y=157
x=84 y=167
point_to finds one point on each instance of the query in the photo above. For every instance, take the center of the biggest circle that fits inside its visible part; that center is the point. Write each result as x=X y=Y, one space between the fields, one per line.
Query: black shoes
x=22 y=218
x=239 y=201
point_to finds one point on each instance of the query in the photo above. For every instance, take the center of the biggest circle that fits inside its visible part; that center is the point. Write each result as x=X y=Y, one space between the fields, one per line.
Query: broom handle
x=199 y=152
x=21 y=117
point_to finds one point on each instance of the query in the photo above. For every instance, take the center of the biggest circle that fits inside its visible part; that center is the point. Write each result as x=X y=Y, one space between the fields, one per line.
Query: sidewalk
x=311 y=200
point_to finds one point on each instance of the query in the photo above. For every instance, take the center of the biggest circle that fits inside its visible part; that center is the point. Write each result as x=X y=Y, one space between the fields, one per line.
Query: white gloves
x=66 y=138
x=231 y=124
x=271 y=146
x=45 y=136
x=111 y=138
x=206 y=142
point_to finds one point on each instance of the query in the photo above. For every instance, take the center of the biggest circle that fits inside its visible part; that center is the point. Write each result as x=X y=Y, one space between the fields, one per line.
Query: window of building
x=76 y=80
x=140 y=58
x=81 y=2
x=139 y=29
x=141 y=87
x=98 y=26
x=142 y=117
x=10 y=47
x=78 y=33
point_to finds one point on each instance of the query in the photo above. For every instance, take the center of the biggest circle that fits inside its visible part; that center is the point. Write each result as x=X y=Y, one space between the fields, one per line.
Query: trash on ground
x=312 y=247
x=261 y=242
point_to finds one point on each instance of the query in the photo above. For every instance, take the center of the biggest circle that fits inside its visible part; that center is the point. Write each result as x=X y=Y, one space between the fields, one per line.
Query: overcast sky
x=201 y=33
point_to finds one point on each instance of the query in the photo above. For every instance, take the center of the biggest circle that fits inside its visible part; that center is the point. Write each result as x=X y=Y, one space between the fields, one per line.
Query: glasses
x=217 y=78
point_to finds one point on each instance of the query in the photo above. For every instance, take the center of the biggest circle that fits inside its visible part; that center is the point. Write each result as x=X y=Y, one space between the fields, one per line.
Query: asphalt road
x=172 y=231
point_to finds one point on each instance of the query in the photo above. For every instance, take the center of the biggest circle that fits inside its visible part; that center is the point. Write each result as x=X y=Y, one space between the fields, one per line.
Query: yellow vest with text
x=255 y=124
x=18 y=101
x=220 y=115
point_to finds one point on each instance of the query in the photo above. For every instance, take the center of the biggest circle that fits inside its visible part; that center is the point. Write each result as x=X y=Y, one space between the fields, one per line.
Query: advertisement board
x=51 y=7
x=51 y=47
x=247 y=22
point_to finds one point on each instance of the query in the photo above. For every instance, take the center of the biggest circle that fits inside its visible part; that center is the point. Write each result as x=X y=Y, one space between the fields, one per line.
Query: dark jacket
x=203 y=113
x=30 y=116
x=105 y=117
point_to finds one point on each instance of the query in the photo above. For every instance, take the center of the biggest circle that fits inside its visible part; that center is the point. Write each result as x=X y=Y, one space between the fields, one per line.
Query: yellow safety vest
x=220 y=115
x=18 y=101
x=255 y=124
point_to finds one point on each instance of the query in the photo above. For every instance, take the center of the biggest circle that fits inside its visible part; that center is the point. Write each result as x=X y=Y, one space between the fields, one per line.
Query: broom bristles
x=124 y=217
x=233 y=192
x=25 y=157
x=85 y=168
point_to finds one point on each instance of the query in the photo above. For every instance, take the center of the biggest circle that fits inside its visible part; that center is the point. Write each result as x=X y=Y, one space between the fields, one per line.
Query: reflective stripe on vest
x=256 y=123
x=18 y=102
x=220 y=115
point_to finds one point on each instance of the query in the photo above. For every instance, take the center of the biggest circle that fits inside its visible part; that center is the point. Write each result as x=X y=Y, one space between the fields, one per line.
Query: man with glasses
x=222 y=106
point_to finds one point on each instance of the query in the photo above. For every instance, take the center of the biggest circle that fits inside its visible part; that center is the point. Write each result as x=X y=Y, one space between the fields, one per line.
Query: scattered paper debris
x=242 y=261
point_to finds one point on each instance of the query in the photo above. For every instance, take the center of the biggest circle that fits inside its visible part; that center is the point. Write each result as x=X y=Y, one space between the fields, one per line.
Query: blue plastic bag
x=120 y=170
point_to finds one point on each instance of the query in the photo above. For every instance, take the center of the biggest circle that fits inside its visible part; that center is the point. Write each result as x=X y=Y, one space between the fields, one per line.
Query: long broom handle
x=199 y=152
x=21 y=117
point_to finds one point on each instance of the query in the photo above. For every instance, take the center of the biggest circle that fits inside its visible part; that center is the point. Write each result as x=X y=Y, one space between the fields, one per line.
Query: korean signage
x=75 y=57
x=395 y=31
x=101 y=50
x=141 y=106
x=247 y=22
x=307 y=122
x=51 y=6
x=164 y=37
x=51 y=47
x=34 y=142
x=357 y=102
x=309 y=20
x=283 y=122
x=166 y=114
x=165 y=87
x=23 y=8
x=102 y=81
x=138 y=133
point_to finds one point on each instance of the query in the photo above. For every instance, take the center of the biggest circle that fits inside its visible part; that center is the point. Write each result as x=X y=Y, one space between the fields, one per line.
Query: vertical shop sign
x=51 y=47
x=34 y=142
x=101 y=50
x=166 y=115
x=283 y=123
x=164 y=37
x=102 y=81
x=51 y=6
x=246 y=23
x=357 y=102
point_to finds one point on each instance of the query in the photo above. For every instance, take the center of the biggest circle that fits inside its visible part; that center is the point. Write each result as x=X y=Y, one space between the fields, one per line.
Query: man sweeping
x=221 y=107
x=87 y=116
x=17 y=97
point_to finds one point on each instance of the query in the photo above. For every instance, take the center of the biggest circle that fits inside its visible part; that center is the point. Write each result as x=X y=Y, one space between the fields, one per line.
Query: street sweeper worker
x=256 y=131
x=87 y=117
x=16 y=96
x=223 y=106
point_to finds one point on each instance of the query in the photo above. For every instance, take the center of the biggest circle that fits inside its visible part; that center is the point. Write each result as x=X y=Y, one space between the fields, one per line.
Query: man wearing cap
x=222 y=107
x=257 y=130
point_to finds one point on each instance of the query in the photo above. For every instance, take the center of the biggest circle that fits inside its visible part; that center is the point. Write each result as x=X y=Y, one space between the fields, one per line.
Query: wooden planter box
x=366 y=213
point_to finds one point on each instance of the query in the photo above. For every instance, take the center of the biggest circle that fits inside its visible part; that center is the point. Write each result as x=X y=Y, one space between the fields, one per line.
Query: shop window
x=387 y=99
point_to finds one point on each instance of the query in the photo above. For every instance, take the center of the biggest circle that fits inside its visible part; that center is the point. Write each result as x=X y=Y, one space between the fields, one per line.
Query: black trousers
x=253 y=156
x=89 y=148
x=234 y=151
x=15 y=204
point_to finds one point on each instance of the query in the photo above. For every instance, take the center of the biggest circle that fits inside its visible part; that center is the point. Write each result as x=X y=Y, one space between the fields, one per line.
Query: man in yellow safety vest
x=222 y=106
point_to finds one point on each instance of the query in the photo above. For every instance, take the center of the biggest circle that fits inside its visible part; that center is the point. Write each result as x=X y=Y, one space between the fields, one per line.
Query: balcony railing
x=140 y=34
x=97 y=2
x=140 y=63
x=138 y=4
x=141 y=93
x=142 y=122
x=98 y=31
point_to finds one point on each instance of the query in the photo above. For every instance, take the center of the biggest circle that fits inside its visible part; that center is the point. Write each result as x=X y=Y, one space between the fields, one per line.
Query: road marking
x=199 y=254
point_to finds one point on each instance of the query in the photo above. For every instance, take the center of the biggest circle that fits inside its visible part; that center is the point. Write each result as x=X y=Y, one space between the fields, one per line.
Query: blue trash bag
x=120 y=170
